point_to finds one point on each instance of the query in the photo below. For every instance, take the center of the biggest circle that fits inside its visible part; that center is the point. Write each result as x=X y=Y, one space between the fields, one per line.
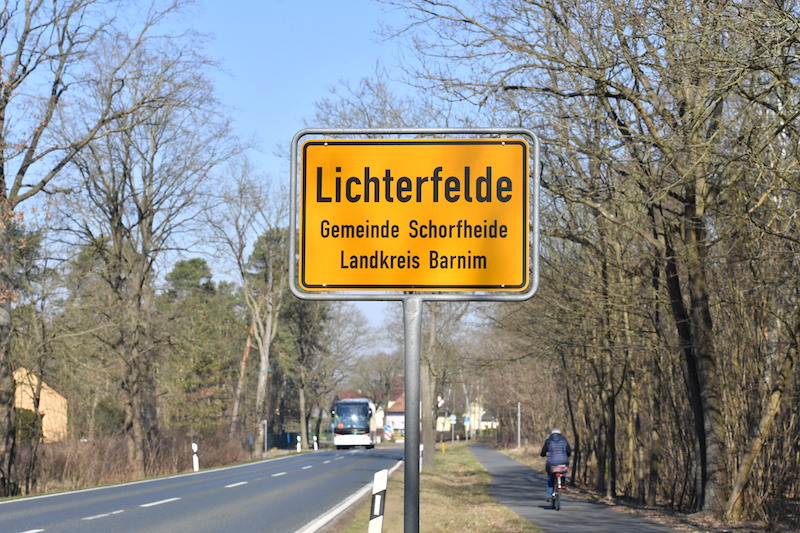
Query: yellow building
x=52 y=405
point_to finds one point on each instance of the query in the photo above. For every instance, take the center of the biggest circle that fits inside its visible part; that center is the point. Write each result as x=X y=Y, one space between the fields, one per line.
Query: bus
x=353 y=423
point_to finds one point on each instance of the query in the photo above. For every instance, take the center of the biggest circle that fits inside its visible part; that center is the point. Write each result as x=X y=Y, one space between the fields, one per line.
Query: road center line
x=104 y=515
x=153 y=504
x=307 y=467
x=235 y=484
x=34 y=531
x=279 y=474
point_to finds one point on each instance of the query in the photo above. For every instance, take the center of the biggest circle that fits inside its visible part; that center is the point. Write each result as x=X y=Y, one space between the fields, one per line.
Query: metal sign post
x=412 y=320
x=438 y=214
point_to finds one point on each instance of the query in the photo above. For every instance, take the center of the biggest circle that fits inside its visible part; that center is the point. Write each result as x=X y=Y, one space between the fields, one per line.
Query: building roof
x=398 y=406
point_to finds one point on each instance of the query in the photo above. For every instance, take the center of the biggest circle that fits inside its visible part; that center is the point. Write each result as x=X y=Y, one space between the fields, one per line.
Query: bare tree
x=139 y=190
x=647 y=112
x=438 y=359
x=305 y=324
x=34 y=337
x=247 y=228
x=47 y=50
x=378 y=375
x=345 y=337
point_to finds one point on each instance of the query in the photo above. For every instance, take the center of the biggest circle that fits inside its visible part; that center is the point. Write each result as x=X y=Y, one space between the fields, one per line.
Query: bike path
x=522 y=489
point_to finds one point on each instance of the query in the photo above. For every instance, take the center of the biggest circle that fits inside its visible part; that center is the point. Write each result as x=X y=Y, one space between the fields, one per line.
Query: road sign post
x=412 y=215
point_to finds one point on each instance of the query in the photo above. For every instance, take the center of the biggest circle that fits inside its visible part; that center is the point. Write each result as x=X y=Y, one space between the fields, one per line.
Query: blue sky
x=280 y=57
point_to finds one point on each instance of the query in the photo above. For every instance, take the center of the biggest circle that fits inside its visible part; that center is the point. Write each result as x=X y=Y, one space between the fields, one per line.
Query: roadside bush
x=80 y=464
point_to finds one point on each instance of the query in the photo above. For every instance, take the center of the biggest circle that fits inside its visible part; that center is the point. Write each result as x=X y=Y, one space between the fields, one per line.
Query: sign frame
x=375 y=136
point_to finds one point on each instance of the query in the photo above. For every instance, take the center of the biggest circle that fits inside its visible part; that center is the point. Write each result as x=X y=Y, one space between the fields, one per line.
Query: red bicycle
x=560 y=473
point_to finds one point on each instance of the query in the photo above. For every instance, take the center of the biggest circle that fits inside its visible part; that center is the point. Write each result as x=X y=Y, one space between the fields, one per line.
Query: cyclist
x=557 y=450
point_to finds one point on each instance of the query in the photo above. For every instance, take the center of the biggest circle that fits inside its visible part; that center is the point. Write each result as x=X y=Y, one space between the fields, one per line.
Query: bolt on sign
x=414 y=215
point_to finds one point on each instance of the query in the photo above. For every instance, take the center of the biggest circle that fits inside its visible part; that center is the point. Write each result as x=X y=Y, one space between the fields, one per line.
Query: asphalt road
x=280 y=495
x=522 y=490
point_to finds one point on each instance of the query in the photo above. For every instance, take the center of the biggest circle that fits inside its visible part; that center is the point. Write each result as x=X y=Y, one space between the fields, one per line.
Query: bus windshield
x=352 y=416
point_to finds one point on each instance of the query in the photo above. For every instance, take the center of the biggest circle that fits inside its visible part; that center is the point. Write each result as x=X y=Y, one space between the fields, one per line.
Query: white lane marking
x=279 y=474
x=153 y=504
x=307 y=467
x=339 y=458
x=132 y=483
x=34 y=531
x=326 y=462
x=104 y=515
x=235 y=484
x=317 y=524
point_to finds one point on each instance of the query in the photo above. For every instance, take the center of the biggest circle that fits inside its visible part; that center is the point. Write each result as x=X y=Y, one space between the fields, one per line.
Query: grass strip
x=453 y=497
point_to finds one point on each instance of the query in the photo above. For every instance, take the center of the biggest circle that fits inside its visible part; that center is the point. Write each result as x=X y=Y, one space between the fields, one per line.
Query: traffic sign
x=415 y=214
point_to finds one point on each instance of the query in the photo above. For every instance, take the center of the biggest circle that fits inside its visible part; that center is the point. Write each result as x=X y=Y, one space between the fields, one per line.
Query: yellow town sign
x=414 y=215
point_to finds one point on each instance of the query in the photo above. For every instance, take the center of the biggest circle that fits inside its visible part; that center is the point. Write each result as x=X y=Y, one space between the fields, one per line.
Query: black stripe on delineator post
x=378 y=501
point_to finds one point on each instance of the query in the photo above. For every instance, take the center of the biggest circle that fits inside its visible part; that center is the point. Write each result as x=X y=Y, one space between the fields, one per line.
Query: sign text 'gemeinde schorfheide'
x=444 y=214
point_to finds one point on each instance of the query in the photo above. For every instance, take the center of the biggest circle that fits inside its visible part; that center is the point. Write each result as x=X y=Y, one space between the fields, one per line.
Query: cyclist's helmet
x=556 y=430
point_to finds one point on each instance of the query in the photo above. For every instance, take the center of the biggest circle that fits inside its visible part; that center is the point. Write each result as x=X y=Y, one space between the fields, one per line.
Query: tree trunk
x=134 y=433
x=601 y=449
x=611 y=447
x=630 y=474
x=577 y=451
x=657 y=386
x=9 y=485
x=237 y=397
x=655 y=435
x=773 y=404
x=428 y=420
x=713 y=497
x=318 y=425
x=263 y=373
x=264 y=334
x=302 y=401
x=8 y=427
x=427 y=394
x=468 y=431
x=682 y=323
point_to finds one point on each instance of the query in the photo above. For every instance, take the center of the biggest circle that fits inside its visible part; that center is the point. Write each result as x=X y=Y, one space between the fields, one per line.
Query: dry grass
x=452 y=498
x=76 y=465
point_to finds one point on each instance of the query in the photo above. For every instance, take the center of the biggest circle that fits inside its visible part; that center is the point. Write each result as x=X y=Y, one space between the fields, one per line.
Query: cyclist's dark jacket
x=557 y=450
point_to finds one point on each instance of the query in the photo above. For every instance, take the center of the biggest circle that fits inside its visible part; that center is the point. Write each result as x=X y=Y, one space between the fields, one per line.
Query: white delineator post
x=195 y=458
x=378 y=501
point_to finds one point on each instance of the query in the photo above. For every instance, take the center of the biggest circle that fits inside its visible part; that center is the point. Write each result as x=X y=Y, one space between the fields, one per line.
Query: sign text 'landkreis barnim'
x=432 y=214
